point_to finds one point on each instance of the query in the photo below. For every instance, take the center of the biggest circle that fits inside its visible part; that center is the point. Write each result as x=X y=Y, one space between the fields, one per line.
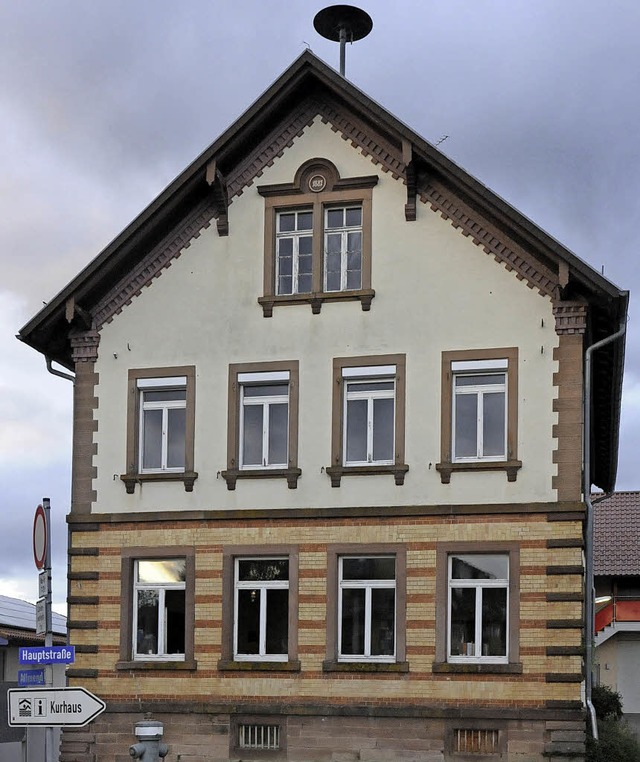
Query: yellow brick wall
x=420 y=535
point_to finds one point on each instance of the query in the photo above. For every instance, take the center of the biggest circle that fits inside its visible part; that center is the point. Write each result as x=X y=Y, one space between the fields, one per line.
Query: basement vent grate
x=475 y=741
x=259 y=737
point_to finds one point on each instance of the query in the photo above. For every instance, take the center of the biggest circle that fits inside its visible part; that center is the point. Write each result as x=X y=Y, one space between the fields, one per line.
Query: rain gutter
x=589 y=592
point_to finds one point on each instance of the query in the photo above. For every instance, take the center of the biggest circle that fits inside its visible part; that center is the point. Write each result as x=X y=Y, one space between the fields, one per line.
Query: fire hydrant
x=149 y=748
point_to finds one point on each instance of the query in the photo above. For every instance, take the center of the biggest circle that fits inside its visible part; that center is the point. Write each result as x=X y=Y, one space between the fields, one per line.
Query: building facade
x=617 y=585
x=327 y=497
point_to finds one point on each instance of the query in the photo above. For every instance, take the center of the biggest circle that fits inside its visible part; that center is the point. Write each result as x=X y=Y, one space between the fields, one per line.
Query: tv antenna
x=342 y=23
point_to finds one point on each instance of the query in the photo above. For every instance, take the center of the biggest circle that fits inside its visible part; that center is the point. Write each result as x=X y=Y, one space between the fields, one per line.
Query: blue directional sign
x=47 y=655
x=27 y=677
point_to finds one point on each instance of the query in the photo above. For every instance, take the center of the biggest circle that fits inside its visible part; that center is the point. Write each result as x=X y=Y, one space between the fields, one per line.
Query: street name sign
x=47 y=654
x=30 y=677
x=52 y=707
x=44 y=584
x=41 y=617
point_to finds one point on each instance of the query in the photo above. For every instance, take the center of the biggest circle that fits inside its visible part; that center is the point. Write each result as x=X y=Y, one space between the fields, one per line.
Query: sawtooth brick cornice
x=160 y=257
x=350 y=128
x=525 y=266
x=495 y=243
x=371 y=144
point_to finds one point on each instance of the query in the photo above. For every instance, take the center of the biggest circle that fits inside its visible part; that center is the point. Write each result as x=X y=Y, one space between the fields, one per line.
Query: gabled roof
x=307 y=88
x=616 y=539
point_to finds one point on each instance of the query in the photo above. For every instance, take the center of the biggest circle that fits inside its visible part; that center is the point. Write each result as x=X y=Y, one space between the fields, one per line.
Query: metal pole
x=343 y=45
x=48 y=638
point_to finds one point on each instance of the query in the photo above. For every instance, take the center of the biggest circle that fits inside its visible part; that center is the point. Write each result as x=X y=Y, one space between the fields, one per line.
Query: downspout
x=71 y=378
x=589 y=592
x=59 y=373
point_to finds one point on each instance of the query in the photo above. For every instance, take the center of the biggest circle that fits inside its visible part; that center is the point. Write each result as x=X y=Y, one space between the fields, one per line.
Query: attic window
x=317 y=239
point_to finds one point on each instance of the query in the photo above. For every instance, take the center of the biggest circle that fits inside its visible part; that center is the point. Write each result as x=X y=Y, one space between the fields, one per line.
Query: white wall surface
x=435 y=291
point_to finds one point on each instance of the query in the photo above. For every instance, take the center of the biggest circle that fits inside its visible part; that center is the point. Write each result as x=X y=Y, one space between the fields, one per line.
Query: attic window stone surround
x=328 y=232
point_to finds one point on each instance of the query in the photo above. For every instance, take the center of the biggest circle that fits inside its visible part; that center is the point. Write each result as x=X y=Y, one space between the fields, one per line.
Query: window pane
x=285 y=284
x=252 y=436
x=147 y=635
x=480 y=380
x=383 y=430
x=304 y=283
x=354 y=217
x=480 y=567
x=304 y=263
x=494 y=622
x=369 y=568
x=493 y=424
x=152 y=439
x=168 y=571
x=352 y=641
x=354 y=243
x=333 y=281
x=466 y=438
x=278 y=431
x=176 y=437
x=304 y=246
x=248 y=621
x=305 y=220
x=286 y=222
x=277 y=635
x=335 y=218
x=175 y=621
x=165 y=395
x=354 y=279
x=463 y=621
x=263 y=569
x=334 y=246
x=356 y=449
x=382 y=622
x=285 y=264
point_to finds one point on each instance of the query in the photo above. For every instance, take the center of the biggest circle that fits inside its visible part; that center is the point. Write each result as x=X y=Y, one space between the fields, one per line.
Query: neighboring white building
x=18 y=628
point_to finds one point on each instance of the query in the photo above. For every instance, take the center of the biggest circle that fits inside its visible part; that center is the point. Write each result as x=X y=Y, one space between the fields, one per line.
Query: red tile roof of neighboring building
x=616 y=544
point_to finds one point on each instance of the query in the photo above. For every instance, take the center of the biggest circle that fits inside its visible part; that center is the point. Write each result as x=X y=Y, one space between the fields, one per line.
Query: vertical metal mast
x=343 y=23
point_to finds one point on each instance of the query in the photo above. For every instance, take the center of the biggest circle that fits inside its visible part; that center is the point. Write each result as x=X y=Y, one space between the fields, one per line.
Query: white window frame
x=265 y=401
x=168 y=383
x=478 y=368
x=351 y=378
x=263 y=586
x=343 y=231
x=479 y=585
x=161 y=588
x=295 y=235
x=368 y=586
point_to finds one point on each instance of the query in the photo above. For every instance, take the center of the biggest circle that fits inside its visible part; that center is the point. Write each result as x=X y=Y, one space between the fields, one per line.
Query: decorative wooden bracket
x=218 y=184
x=72 y=310
x=410 y=171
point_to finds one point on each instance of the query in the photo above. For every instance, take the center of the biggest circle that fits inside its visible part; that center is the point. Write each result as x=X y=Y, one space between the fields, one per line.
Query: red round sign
x=40 y=537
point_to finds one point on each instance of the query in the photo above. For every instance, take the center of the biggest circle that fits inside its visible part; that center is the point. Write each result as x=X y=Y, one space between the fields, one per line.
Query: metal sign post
x=42 y=558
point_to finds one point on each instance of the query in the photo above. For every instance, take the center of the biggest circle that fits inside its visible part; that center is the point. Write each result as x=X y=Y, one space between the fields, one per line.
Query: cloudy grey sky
x=103 y=103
